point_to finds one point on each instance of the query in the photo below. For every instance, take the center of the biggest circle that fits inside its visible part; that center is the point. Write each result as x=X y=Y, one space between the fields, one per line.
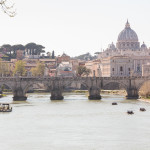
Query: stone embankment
x=144 y=100
x=114 y=92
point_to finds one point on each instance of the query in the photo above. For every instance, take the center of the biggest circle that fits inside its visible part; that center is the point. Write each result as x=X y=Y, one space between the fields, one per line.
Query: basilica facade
x=127 y=57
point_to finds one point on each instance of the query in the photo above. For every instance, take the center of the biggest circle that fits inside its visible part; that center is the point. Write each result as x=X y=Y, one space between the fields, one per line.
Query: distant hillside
x=86 y=56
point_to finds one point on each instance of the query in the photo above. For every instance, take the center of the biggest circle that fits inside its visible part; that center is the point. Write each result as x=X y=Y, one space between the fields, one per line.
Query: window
x=138 y=68
x=121 y=68
x=113 y=69
x=129 y=70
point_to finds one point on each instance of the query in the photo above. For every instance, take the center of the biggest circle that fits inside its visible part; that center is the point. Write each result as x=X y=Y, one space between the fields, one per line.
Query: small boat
x=142 y=109
x=130 y=112
x=4 y=107
x=114 y=103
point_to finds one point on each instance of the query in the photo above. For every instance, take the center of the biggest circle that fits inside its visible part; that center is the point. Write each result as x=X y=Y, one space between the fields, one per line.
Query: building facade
x=127 y=57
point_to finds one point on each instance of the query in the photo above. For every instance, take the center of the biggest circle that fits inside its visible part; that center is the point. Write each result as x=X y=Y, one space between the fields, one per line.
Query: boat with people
x=5 y=107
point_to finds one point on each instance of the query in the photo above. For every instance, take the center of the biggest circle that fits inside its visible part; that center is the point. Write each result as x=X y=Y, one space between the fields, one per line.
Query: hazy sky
x=74 y=26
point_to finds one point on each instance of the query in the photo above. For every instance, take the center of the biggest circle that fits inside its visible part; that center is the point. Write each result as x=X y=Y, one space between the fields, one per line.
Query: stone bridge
x=20 y=85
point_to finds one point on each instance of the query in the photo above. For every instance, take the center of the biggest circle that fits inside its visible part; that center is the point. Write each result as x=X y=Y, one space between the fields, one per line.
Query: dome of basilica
x=111 y=46
x=128 y=34
x=143 y=46
x=128 y=39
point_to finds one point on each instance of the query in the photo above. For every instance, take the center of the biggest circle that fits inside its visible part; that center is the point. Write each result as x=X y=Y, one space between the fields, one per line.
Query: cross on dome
x=127 y=24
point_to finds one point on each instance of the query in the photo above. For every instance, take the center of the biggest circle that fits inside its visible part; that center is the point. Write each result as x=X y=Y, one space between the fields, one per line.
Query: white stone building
x=65 y=70
x=127 y=57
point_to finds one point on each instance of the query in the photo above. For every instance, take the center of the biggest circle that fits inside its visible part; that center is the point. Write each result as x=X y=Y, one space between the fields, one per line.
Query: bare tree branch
x=8 y=8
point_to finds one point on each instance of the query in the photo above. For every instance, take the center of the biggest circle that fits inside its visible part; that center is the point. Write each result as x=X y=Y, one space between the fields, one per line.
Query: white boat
x=4 y=107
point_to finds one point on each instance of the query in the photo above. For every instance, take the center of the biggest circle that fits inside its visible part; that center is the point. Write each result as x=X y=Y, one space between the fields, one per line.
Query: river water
x=75 y=124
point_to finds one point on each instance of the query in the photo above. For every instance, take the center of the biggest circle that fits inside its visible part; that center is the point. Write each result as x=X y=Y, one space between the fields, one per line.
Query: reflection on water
x=75 y=124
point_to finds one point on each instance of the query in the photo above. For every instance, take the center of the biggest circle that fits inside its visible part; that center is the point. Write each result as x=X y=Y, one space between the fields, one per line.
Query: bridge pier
x=94 y=93
x=56 y=94
x=19 y=95
x=132 y=93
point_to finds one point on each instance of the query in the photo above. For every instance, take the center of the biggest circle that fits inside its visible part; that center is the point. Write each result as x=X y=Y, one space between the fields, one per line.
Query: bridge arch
x=76 y=84
x=6 y=85
x=28 y=85
x=114 y=85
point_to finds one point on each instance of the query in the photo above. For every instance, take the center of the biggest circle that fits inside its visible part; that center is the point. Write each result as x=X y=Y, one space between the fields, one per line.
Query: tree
x=11 y=50
x=14 y=49
x=8 y=9
x=53 y=54
x=82 y=70
x=20 y=68
x=34 y=49
x=86 y=56
x=7 y=49
x=87 y=72
x=30 y=48
x=39 y=70
x=39 y=49
x=34 y=71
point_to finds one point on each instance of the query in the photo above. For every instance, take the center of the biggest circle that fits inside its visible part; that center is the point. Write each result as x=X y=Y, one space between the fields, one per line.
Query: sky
x=74 y=27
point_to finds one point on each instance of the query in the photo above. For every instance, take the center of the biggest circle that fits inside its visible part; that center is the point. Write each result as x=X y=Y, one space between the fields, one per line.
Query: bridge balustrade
x=94 y=84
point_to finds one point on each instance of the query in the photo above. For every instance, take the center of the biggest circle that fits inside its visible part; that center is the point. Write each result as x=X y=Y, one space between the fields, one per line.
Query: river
x=75 y=124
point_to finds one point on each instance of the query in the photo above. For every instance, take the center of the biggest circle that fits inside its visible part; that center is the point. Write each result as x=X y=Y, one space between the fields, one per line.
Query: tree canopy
x=29 y=49
x=86 y=56
x=20 y=68
x=34 y=49
x=82 y=70
x=39 y=69
x=53 y=54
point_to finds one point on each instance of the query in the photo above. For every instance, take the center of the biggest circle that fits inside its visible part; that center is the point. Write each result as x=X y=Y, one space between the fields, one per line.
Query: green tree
x=82 y=70
x=39 y=49
x=14 y=49
x=34 y=71
x=30 y=48
x=7 y=49
x=53 y=54
x=34 y=49
x=87 y=72
x=19 y=68
x=39 y=70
